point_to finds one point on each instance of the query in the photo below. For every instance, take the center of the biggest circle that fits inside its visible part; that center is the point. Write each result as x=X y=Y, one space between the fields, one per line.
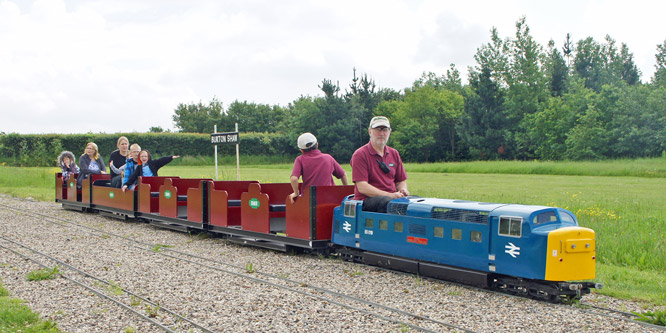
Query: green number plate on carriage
x=254 y=203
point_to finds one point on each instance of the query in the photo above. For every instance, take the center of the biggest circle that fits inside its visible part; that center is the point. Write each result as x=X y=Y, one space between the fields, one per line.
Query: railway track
x=87 y=281
x=389 y=314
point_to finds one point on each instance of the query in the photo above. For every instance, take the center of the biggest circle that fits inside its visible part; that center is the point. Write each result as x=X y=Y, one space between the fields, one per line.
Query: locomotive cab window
x=350 y=208
x=566 y=217
x=397 y=227
x=545 y=217
x=475 y=236
x=510 y=226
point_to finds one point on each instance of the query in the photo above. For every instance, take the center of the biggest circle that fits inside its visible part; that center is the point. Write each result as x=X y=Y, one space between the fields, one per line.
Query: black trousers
x=116 y=181
x=376 y=204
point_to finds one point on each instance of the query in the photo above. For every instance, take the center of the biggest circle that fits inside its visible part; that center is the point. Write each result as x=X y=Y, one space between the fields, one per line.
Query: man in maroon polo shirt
x=377 y=169
x=315 y=166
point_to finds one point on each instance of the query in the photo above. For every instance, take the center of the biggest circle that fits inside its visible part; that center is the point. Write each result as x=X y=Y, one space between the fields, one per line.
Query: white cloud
x=73 y=66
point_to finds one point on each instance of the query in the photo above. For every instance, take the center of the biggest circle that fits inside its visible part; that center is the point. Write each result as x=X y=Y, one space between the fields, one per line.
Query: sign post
x=226 y=138
x=237 y=156
x=215 y=131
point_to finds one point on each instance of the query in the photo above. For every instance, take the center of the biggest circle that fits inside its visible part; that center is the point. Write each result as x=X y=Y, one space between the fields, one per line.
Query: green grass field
x=625 y=206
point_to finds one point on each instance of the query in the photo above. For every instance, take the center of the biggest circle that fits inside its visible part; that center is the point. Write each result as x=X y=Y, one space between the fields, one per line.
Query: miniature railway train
x=534 y=251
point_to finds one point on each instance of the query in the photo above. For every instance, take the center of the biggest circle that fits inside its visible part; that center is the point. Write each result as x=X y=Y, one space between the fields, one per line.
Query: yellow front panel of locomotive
x=571 y=254
x=579 y=245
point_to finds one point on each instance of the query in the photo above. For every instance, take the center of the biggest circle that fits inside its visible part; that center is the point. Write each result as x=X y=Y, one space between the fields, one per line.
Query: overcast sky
x=78 y=66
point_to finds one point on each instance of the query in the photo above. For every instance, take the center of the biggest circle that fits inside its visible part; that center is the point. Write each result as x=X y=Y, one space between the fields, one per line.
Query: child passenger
x=314 y=166
x=147 y=167
x=130 y=165
x=67 y=165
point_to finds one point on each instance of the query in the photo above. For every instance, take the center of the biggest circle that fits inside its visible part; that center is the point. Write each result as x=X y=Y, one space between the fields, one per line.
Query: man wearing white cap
x=377 y=169
x=314 y=166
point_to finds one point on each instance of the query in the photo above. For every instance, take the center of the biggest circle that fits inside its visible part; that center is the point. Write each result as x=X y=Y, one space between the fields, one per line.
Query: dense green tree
x=329 y=118
x=638 y=123
x=361 y=99
x=522 y=101
x=518 y=67
x=364 y=88
x=556 y=70
x=551 y=125
x=495 y=57
x=252 y=117
x=336 y=128
x=484 y=128
x=436 y=112
x=197 y=118
x=408 y=137
x=630 y=73
x=449 y=81
x=659 y=77
x=589 y=138
x=601 y=64
x=588 y=62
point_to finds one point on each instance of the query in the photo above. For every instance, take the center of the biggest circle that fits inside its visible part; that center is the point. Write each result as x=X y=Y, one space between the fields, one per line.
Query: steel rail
x=322 y=290
x=93 y=290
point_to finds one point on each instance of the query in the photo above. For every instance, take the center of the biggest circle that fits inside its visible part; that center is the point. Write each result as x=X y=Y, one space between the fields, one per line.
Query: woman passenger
x=117 y=160
x=90 y=163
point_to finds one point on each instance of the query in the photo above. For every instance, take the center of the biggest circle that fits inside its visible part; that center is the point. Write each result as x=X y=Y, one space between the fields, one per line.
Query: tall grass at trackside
x=645 y=167
x=628 y=214
x=266 y=160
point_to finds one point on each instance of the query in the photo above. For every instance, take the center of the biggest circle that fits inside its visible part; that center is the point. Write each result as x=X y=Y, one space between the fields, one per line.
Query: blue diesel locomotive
x=533 y=251
x=536 y=251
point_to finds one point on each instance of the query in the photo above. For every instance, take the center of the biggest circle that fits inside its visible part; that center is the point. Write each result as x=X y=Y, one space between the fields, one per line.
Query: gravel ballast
x=231 y=299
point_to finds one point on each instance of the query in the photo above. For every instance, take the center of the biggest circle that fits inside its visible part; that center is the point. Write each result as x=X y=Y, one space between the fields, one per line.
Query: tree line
x=523 y=100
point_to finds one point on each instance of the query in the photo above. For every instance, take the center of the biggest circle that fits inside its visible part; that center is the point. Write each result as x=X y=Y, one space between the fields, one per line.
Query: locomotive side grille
x=397 y=208
x=459 y=215
x=417 y=229
x=336 y=226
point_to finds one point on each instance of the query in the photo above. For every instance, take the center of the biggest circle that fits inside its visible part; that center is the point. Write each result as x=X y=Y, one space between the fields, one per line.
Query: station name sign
x=222 y=138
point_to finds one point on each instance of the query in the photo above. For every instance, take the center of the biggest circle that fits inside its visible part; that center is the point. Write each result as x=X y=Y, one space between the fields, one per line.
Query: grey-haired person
x=377 y=170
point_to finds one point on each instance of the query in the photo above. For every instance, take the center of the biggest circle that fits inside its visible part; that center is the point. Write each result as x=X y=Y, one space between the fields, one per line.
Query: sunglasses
x=385 y=168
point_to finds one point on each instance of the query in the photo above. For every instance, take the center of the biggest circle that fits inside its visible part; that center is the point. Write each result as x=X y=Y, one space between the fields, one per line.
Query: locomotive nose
x=571 y=254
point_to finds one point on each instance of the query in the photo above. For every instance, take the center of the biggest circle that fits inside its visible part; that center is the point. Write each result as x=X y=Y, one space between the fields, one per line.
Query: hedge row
x=43 y=149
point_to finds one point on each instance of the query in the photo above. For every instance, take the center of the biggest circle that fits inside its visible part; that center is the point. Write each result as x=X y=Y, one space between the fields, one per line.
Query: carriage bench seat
x=263 y=207
x=277 y=208
x=102 y=182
